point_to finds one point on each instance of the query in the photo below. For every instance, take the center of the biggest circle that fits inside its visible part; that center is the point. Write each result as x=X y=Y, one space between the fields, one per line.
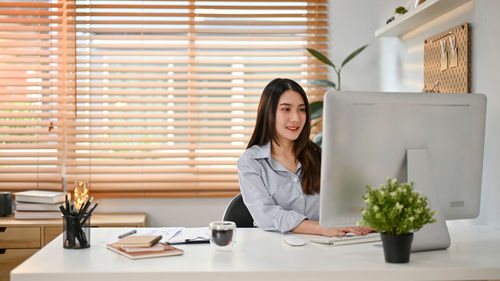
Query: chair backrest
x=237 y=211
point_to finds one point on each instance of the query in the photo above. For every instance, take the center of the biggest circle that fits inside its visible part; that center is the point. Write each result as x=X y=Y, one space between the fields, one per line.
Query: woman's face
x=290 y=116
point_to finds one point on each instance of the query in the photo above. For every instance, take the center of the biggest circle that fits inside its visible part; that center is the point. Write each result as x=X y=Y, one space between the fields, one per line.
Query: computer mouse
x=294 y=241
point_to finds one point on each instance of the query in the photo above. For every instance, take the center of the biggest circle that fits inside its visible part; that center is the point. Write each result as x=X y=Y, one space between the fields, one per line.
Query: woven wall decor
x=447 y=61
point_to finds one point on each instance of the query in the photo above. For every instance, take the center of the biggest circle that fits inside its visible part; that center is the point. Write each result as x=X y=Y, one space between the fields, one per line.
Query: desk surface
x=473 y=255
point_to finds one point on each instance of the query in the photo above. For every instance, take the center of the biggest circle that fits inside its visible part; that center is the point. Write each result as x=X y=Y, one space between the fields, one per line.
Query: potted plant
x=397 y=12
x=400 y=11
x=396 y=210
x=317 y=106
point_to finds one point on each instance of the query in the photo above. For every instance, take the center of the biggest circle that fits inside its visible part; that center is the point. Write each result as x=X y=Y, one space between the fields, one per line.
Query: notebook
x=31 y=215
x=158 y=247
x=138 y=241
x=23 y=206
x=168 y=250
x=40 y=196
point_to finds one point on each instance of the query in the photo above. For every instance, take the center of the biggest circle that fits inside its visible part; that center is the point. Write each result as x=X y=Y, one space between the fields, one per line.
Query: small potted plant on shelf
x=397 y=12
x=396 y=210
x=400 y=11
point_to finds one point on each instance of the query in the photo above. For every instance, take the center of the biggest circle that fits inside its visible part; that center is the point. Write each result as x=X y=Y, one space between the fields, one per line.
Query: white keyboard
x=348 y=239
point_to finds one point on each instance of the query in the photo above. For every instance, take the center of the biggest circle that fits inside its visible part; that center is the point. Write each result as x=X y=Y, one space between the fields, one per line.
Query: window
x=152 y=98
x=34 y=84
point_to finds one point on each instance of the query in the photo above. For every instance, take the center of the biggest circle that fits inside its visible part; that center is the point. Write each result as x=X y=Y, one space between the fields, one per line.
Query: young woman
x=279 y=173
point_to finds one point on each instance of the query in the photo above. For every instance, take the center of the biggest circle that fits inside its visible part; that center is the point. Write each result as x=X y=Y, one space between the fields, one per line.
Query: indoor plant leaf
x=326 y=83
x=316 y=109
x=318 y=138
x=321 y=57
x=316 y=123
x=353 y=54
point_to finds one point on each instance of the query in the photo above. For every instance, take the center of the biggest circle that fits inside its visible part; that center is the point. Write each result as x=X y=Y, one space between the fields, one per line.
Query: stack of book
x=38 y=204
x=143 y=246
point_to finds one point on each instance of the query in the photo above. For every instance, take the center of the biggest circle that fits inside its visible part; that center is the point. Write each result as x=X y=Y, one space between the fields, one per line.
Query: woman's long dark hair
x=307 y=152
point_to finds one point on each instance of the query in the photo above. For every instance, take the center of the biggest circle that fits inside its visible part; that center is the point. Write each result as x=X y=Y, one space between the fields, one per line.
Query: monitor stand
x=433 y=236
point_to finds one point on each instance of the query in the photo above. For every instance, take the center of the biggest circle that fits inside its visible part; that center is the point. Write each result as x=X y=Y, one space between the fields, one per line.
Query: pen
x=85 y=206
x=191 y=241
x=195 y=241
x=89 y=214
x=127 y=234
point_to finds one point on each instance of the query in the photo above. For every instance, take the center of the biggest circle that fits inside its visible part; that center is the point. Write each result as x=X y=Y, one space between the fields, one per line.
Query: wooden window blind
x=35 y=82
x=166 y=92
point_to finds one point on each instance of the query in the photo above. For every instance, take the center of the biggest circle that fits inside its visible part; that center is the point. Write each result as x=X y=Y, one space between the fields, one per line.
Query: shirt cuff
x=288 y=221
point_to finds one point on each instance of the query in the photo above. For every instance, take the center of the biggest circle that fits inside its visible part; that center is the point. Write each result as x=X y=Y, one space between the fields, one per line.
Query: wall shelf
x=418 y=16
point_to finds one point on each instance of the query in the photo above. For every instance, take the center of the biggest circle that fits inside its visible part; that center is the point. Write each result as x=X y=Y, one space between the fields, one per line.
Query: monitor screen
x=367 y=137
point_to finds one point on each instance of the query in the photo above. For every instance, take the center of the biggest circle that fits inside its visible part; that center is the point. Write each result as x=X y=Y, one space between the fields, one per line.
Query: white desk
x=259 y=255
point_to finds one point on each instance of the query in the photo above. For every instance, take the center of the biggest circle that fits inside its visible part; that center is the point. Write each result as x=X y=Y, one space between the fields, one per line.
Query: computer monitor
x=434 y=140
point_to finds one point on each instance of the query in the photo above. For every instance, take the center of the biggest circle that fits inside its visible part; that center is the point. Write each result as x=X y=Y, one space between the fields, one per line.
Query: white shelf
x=418 y=16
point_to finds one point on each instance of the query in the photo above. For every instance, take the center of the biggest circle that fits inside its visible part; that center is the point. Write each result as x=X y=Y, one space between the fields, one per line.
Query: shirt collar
x=264 y=152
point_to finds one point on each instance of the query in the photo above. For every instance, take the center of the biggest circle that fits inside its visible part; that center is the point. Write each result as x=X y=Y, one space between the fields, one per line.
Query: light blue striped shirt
x=272 y=193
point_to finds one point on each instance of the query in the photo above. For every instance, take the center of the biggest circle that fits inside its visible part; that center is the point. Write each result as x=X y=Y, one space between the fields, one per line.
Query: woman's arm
x=264 y=210
x=313 y=227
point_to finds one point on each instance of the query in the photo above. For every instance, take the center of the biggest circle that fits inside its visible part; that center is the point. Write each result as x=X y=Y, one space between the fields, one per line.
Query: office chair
x=237 y=211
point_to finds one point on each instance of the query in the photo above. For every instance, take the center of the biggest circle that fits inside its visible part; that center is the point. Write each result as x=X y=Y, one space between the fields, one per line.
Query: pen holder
x=76 y=232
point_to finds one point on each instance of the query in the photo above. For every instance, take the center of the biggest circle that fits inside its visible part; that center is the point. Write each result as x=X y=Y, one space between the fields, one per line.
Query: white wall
x=486 y=71
x=190 y=212
x=351 y=25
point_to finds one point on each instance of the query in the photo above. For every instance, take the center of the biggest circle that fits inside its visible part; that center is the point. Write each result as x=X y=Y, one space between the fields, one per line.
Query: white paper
x=175 y=234
x=166 y=232
x=192 y=233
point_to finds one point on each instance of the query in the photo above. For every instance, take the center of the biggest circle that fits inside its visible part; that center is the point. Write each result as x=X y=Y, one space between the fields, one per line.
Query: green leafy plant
x=395 y=209
x=401 y=10
x=317 y=106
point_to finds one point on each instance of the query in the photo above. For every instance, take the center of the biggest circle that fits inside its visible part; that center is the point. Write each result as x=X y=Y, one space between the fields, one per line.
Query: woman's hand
x=360 y=230
x=334 y=231
x=313 y=227
x=341 y=231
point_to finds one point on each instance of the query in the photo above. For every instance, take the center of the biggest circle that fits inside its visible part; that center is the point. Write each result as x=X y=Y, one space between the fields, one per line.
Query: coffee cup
x=222 y=234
